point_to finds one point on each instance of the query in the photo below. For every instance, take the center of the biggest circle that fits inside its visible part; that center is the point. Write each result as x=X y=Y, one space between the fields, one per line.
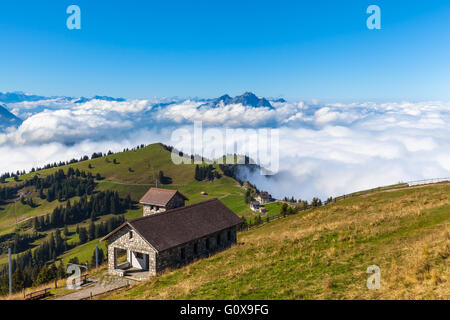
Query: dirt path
x=26 y=219
x=138 y=184
x=96 y=289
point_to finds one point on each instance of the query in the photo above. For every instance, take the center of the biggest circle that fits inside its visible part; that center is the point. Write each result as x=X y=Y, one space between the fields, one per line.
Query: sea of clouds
x=324 y=149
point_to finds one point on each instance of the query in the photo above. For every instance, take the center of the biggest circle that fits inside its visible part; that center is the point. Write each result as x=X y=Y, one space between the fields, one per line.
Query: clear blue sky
x=294 y=49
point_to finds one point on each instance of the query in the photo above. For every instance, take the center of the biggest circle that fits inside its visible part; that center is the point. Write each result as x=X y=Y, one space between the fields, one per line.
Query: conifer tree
x=91 y=231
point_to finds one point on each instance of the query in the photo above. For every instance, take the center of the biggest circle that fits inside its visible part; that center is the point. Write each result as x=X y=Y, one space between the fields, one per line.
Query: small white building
x=257 y=207
x=264 y=197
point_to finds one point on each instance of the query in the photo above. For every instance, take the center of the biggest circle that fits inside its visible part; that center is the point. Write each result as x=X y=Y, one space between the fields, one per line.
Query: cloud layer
x=325 y=149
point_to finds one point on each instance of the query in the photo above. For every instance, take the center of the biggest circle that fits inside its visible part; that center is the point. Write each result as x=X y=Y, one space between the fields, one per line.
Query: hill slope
x=324 y=254
x=130 y=172
x=135 y=171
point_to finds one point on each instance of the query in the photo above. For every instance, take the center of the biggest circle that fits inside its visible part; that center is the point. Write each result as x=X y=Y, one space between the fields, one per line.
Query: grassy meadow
x=320 y=253
x=324 y=254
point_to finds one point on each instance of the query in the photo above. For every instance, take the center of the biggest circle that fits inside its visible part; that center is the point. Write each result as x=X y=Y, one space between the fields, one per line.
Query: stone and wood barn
x=159 y=200
x=172 y=238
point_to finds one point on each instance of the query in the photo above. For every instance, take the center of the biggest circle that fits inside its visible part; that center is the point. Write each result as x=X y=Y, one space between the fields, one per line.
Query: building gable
x=126 y=237
x=160 y=197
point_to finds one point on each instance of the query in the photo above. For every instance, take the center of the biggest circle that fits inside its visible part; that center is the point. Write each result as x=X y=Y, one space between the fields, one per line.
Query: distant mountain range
x=40 y=103
x=7 y=119
x=14 y=97
x=247 y=99
x=105 y=98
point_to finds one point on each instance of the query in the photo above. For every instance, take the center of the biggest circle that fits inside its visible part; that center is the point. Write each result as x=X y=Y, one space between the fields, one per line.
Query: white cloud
x=327 y=149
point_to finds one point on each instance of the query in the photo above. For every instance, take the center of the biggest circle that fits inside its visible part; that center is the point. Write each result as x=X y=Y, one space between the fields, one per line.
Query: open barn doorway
x=139 y=260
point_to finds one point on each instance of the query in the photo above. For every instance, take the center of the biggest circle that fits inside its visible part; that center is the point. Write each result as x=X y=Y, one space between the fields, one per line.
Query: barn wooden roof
x=182 y=225
x=159 y=197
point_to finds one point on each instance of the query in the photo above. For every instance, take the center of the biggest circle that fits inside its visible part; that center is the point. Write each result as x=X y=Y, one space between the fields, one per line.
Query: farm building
x=263 y=197
x=257 y=207
x=172 y=238
x=159 y=200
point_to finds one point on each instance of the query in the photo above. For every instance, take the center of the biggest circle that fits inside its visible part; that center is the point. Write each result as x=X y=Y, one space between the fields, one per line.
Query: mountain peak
x=250 y=99
x=246 y=99
x=7 y=119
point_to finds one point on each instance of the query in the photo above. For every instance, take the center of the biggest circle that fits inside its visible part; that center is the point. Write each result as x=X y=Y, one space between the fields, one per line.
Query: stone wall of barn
x=184 y=254
x=121 y=240
x=152 y=209
x=148 y=210
x=176 y=202
x=171 y=258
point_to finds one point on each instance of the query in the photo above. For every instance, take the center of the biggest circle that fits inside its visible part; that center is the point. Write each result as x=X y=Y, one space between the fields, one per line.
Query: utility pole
x=10 y=271
x=156 y=182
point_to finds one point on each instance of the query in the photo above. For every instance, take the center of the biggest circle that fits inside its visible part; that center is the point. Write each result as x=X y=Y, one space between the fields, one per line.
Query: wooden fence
x=37 y=294
x=427 y=181
x=260 y=220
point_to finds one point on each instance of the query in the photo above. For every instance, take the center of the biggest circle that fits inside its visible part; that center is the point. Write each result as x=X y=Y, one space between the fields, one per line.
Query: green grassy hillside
x=324 y=254
x=145 y=164
x=129 y=173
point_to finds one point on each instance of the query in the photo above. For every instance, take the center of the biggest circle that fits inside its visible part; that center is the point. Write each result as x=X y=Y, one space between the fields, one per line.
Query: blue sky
x=294 y=49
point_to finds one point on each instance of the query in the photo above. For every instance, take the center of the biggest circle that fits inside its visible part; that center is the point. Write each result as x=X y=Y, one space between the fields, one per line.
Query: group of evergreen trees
x=315 y=202
x=17 y=241
x=99 y=204
x=97 y=230
x=32 y=276
x=59 y=186
x=39 y=266
x=207 y=172
x=228 y=170
x=28 y=266
x=8 y=175
x=63 y=186
x=248 y=196
x=7 y=193
x=251 y=192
